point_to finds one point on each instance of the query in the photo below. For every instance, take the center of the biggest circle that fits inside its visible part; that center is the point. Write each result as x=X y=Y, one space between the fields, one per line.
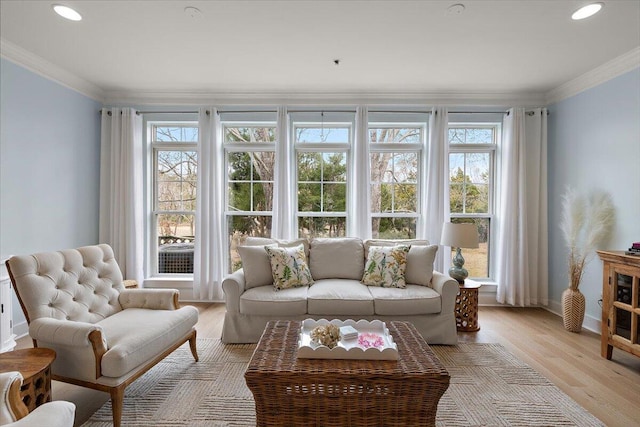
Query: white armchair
x=105 y=336
x=14 y=413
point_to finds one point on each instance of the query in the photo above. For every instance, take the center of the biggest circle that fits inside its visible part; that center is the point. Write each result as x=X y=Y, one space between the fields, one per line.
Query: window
x=174 y=196
x=321 y=165
x=250 y=163
x=394 y=166
x=471 y=182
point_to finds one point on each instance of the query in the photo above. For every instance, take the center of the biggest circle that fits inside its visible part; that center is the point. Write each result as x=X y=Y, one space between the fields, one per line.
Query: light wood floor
x=610 y=390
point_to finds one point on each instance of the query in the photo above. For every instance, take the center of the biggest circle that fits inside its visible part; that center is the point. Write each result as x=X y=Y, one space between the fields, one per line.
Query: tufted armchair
x=105 y=336
x=14 y=413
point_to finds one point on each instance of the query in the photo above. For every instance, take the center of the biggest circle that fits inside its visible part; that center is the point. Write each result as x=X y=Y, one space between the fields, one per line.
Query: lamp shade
x=459 y=235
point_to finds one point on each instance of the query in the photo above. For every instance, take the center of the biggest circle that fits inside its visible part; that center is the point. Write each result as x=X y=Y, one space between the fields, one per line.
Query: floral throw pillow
x=289 y=267
x=386 y=266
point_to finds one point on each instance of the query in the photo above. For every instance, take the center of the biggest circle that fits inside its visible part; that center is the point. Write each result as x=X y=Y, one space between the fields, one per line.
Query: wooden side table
x=466 y=309
x=35 y=366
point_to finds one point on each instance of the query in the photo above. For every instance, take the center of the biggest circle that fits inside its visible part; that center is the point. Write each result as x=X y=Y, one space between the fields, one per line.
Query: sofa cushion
x=392 y=242
x=420 y=259
x=336 y=258
x=412 y=300
x=156 y=330
x=339 y=297
x=256 y=265
x=289 y=267
x=263 y=241
x=266 y=301
x=386 y=266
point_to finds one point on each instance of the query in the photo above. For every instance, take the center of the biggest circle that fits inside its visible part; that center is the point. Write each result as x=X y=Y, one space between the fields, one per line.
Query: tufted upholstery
x=105 y=336
x=13 y=412
x=81 y=285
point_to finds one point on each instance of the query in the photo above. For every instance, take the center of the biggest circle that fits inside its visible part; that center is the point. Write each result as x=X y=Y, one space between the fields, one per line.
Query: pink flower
x=368 y=340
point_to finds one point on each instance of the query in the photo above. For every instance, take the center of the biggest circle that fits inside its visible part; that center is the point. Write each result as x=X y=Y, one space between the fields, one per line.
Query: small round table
x=467 y=307
x=35 y=366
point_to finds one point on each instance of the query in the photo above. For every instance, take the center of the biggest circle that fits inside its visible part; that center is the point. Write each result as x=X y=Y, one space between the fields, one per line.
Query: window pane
x=321 y=134
x=309 y=196
x=241 y=227
x=309 y=166
x=405 y=199
x=240 y=196
x=176 y=180
x=476 y=261
x=471 y=135
x=175 y=243
x=400 y=135
x=469 y=182
x=250 y=134
x=175 y=133
x=310 y=227
x=393 y=228
x=334 y=167
x=334 y=197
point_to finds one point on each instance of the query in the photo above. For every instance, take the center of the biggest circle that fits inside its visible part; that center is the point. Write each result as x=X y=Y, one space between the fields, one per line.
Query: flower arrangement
x=328 y=335
x=586 y=223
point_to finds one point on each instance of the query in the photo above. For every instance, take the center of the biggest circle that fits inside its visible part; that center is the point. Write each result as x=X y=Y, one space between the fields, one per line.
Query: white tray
x=348 y=349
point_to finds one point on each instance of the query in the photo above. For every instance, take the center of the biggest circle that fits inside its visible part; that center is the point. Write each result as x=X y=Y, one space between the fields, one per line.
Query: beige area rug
x=489 y=387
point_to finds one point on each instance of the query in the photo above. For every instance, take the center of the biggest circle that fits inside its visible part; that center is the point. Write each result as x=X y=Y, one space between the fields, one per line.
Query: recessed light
x=192 y=12
x=587 y=11
x=455 y=9
x=67 y=12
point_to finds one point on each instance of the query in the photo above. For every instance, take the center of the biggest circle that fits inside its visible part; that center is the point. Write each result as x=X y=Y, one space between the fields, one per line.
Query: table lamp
x=459 y=236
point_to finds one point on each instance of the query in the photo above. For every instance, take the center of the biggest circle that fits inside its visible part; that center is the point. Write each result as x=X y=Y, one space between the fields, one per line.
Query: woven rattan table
x=319 y=392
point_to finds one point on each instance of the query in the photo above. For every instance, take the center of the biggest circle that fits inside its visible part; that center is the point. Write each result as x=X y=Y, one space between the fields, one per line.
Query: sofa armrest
x=152 y=299
x=63 y=332
x=51 y=414
x=233 y=287
x=448 y=288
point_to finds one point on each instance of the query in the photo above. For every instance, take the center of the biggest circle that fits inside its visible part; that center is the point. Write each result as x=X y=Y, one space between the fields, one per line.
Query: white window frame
x=399 y=147
x=154 y=148
x=239 y=147
x=492 y=149
x=322 y=147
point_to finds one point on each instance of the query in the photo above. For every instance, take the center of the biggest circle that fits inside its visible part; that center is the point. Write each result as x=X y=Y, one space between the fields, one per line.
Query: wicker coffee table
x=316 y=392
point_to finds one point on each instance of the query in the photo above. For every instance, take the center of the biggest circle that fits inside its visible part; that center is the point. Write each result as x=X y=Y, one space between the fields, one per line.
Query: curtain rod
x=159 y=112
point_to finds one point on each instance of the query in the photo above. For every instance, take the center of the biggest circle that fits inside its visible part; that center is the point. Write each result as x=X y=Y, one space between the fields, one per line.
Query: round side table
x=466 y=310
x=35 y=366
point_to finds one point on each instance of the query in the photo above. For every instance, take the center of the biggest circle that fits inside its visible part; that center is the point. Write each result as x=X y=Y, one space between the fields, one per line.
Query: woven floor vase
x=573 y=304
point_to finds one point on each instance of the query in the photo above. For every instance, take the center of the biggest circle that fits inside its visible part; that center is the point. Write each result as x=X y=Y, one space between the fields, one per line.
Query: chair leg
x=117 y=399
x=192 y=345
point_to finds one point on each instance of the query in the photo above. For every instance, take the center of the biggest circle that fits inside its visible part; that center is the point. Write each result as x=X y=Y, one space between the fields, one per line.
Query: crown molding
x=46 y=69
x=607 y=71
x=476 y=99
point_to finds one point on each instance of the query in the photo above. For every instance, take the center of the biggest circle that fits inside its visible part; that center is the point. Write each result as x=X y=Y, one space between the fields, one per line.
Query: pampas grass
x=586 y=223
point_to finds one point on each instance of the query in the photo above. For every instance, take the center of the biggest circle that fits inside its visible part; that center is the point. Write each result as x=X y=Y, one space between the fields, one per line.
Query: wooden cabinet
x=620 y=302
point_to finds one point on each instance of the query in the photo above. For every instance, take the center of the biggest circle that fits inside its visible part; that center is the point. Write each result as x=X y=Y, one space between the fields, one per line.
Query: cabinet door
x=624 y=315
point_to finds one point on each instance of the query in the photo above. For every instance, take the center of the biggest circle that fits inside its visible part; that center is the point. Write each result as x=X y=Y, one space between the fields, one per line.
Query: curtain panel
x=121 y=189
x=522 y=263
x=283 y=225
x=208 y=257
x=435 y=207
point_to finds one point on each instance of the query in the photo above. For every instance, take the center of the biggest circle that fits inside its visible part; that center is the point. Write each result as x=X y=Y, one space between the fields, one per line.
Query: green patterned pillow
x=289 y=267
x=385 y=266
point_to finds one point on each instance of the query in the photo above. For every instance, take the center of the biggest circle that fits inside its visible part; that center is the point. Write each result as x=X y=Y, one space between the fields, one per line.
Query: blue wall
x=594 y=143
x=49 y=165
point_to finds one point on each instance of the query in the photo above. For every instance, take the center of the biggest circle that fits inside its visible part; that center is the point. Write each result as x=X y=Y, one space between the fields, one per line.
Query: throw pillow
x=256 y=266
x=289 y=267
x=420 y=261
x=386 y=266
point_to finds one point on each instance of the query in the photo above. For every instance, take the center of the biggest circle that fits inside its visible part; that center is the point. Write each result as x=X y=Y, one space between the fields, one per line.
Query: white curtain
x=208 y=269
x=283 y=209
x=522 y=269
x=359 y=206
x=121 y=189
x=435 y=204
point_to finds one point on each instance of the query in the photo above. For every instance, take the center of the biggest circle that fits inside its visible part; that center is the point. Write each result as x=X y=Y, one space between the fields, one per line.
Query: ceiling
x=288 y=47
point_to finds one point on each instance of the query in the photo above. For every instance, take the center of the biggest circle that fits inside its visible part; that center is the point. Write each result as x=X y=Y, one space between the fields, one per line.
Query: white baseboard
x=21 y=329
x=590 y=323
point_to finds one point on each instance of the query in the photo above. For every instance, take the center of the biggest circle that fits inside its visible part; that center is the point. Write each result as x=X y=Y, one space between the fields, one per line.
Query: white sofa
x=337 y=266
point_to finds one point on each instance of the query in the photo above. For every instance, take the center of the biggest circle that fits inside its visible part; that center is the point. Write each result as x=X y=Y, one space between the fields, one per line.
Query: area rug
x=489 y=387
